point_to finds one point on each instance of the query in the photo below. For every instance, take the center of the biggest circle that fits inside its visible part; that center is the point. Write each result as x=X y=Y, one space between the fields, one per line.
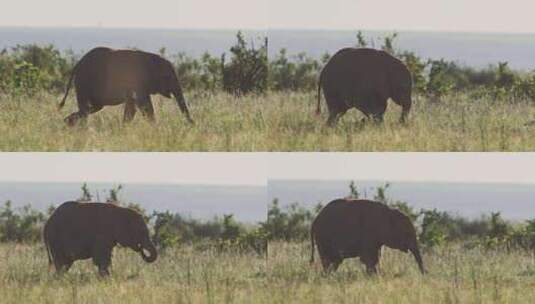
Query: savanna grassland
x=276 y=121
x=455 y=275
x=180 y=275
x=188 y=275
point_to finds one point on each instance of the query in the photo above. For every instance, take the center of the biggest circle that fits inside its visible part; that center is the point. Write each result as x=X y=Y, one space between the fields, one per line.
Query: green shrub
x=291 y=223
x=293 y=74
x=20 y=225
x=434 y=228
x=247 y=70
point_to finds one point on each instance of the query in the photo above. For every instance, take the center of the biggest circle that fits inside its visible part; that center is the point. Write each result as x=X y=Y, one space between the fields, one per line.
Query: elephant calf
x=364 y=79
x=347 y=228
x=106 y=77
x=77 y=231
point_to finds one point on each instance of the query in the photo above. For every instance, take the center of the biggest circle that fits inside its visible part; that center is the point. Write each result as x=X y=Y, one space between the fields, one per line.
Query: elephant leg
x=66 y=266
x=336 y=106
x=62 y=263
x=405 y=105
x=325 y=263
x=83 y=110
x=330 y=260
x=129 y=111
x=371 y=259
x=330 y=264
x=404 y=114
x=334 y=117
x=379 y=109
x=335 y=263
x=145 y=106
x=102 y=259
x=325 y=260
x=378 y=118
x=95 y=107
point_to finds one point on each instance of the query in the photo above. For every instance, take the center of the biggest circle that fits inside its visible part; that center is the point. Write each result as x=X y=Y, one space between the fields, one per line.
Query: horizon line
x=170 y=183
x=276 y=28
x=391 y=182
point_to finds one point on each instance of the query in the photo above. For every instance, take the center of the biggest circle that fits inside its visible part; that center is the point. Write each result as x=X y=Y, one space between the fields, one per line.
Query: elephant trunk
x=181 y=101
x=153 y=254
x=416 y=252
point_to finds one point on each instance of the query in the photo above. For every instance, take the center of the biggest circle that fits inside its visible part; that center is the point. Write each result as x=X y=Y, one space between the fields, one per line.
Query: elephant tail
x=318 y=108
x=62 y=103
x=312 y=245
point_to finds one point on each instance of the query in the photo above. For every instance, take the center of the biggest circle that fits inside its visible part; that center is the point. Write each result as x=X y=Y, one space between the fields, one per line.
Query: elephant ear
x=396 y=230
x=124 y=227
x=154 y=73
x=163 y=79
x=400 y=80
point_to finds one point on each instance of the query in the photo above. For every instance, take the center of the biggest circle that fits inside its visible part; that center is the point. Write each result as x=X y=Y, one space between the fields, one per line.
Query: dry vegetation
x=271 y=122
x=188 y=275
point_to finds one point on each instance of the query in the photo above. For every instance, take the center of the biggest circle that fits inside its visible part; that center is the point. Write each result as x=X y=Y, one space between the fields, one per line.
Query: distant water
x=247 y=203
x=472 y=49
x=515 y=202
x=192 y=42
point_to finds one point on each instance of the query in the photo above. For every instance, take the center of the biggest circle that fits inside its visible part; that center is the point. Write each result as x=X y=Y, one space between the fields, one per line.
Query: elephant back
x=352 y=219
x=369 y=63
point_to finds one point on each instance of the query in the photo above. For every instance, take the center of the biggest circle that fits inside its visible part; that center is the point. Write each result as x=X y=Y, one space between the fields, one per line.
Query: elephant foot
x=73 y=119
x=191 y=122
x=104 y=273
x=378 y=119
x=371 y=271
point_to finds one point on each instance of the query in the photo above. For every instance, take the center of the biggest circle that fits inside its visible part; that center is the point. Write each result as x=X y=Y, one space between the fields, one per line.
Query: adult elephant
x=347 y=228
x=364 y=79
x=77 y=231
x=106 y=77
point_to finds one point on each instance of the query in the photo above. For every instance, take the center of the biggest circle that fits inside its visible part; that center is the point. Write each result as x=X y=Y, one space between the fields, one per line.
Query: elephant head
x=165 y=82
x=132 y=232
x=402 y=236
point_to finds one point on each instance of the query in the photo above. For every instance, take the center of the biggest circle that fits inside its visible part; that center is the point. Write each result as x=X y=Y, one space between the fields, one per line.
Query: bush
x=440 y=82
x=295 y=74
x=20 y=225
x=291 y=223
x=199 y=74
x=435 y=228
x=247 y=70
x=28 y=69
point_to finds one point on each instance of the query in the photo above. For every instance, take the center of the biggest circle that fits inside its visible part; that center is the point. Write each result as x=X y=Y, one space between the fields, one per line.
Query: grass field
x=455 y=275
x=182 y=275
x=272 y=122
x=188 y=275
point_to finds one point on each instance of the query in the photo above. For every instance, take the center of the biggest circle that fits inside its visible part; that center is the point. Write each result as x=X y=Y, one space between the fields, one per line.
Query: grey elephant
x=77 y=231
x=364 y=79
x=347 y=228
x=106 y=77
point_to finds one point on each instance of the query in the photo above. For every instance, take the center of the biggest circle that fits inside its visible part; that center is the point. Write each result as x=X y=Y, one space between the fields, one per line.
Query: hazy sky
x=391 y=167
x=443 y=15
x=232 y=14
x=184 y=168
